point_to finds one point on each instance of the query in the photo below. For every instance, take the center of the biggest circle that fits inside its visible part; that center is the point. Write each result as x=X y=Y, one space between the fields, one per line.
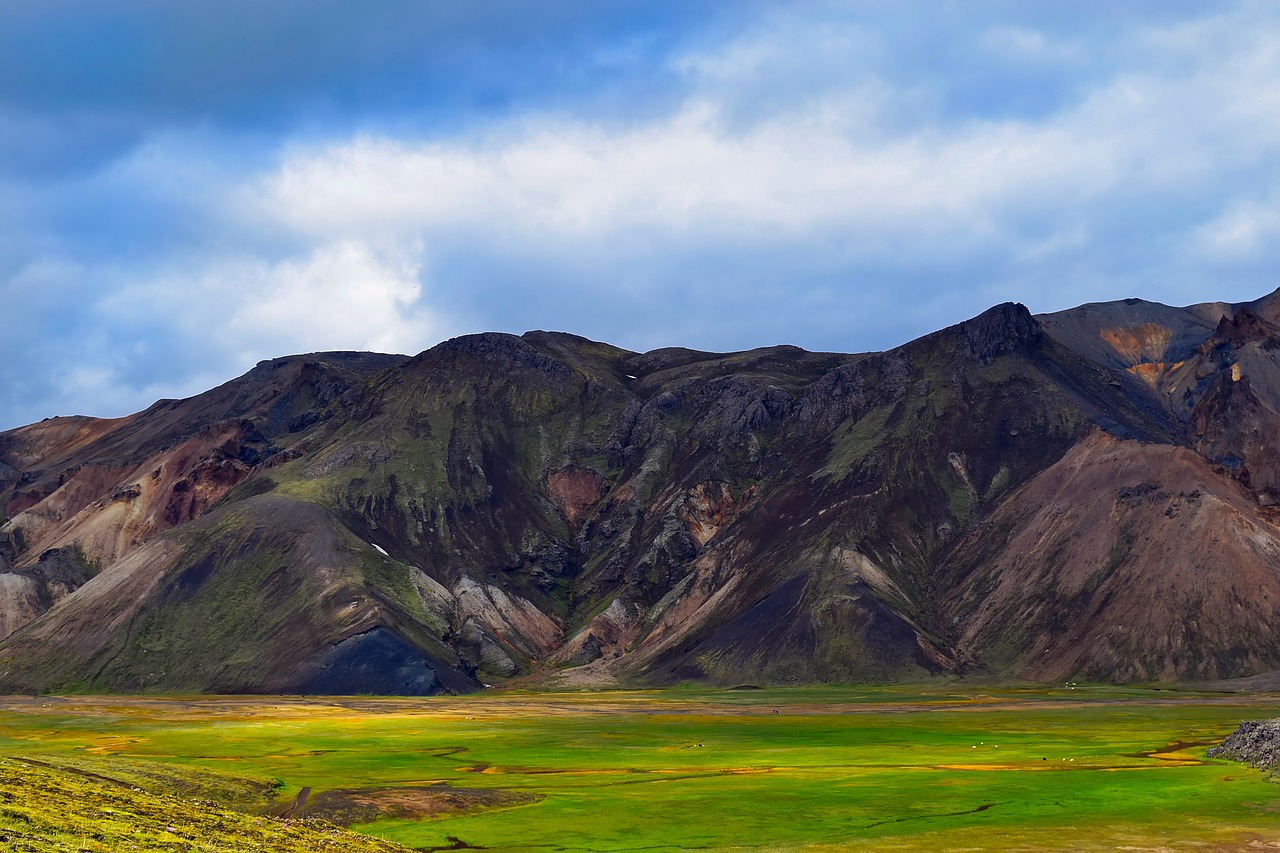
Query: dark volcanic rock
x=1256 y=743
x=377 y=662
x=1005 y=328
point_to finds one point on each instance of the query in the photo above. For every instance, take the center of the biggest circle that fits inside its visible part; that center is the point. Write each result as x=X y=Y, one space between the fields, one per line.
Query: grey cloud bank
x=187 y=189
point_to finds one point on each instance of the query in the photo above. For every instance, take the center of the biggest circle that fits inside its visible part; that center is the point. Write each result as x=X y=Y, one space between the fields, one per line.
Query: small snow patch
x=379 y=549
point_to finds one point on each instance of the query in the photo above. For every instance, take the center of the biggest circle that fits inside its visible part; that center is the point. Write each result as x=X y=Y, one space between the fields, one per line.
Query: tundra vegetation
x=922 y=767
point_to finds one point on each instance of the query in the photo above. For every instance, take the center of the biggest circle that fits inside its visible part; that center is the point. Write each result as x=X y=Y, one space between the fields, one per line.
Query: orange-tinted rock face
x=575 y=491
x=707 y=508
x=1152 y=372
x=1144 y=343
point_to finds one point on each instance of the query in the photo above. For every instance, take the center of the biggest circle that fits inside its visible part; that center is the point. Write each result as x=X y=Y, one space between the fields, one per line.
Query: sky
x=187 y=188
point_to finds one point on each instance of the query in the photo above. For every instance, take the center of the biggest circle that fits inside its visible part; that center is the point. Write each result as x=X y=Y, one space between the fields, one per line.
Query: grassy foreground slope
x=49 y=809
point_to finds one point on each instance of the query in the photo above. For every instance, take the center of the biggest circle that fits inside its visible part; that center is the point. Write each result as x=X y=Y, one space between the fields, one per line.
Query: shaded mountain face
x=1087 y=494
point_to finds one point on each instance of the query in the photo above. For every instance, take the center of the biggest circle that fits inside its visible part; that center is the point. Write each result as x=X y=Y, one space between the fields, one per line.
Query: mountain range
x=1092 y=494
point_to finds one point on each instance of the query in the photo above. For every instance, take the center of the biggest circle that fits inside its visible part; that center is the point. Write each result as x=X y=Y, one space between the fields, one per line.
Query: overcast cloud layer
x=187 y=188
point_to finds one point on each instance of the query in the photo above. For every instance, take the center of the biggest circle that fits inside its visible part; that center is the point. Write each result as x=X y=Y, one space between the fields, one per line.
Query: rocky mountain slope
x=1088 y=494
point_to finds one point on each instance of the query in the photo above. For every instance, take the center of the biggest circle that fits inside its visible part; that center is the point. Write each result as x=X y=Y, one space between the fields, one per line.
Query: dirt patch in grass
x=1174 y=753
x=346 y=807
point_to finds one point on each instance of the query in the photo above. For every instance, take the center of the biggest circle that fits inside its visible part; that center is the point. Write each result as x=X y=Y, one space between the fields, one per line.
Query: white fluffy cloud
x=574 y=181
x=345 y=294
x=1192 y=109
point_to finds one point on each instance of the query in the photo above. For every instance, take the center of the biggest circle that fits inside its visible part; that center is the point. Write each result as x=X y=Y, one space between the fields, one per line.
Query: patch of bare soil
x=364 y=805
x=299 y=803
x=1175 y=753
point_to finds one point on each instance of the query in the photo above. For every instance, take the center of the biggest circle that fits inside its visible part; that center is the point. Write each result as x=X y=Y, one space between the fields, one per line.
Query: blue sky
x=187 y=188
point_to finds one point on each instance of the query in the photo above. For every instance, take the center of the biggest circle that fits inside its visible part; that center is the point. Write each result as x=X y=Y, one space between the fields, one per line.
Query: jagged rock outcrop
x=1255 y=742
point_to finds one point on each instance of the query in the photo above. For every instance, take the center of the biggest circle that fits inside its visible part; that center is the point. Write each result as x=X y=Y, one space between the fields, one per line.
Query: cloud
x=829 y=198
x=1241 y=232
x=843 y=175
x=84 y=81
x=933 y=194
x=1027 y=44
x=779 y=180
x=341 y=295
x=106 y=340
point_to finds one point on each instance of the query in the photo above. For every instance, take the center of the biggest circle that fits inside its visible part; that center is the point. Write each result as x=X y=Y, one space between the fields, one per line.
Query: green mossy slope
x=45 y=809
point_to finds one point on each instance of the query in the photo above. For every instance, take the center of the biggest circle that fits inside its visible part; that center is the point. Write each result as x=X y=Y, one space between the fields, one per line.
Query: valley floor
x=892 y=768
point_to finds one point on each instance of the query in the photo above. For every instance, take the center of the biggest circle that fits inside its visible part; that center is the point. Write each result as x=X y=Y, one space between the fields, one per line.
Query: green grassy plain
x=901 y=768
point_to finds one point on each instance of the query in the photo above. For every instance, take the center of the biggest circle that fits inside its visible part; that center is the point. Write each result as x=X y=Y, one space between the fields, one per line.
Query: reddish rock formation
x=575 y=491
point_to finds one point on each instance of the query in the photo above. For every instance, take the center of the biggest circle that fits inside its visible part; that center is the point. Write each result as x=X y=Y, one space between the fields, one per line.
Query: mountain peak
x=1004 y=328
x=549 y=507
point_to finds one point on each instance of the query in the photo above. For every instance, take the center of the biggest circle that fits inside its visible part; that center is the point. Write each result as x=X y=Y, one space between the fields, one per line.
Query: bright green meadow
x=901 y=768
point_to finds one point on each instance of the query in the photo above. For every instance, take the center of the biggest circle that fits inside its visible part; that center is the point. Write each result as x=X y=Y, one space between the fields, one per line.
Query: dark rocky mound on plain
x=1256 y=743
